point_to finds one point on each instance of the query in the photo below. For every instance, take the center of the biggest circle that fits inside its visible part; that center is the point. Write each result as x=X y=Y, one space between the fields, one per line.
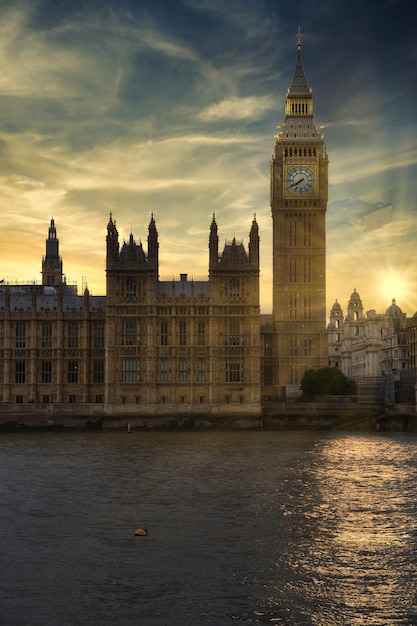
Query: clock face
x=300 y=180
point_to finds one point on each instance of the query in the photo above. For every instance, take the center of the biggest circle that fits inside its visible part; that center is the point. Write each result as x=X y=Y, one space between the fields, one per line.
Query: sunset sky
x=170 y=107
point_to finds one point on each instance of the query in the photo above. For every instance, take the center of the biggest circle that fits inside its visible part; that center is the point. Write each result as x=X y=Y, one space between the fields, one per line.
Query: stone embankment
x=291 y=416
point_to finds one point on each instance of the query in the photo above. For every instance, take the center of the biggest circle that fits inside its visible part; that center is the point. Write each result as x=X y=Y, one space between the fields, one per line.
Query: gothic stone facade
x=182 y=346
x=51 y=346
x=149 y=347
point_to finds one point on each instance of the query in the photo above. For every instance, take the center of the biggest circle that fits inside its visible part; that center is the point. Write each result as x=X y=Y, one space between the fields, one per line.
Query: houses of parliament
x=160 y=350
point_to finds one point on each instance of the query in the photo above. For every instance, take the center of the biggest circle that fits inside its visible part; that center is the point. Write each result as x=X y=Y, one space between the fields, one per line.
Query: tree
x=327 y=381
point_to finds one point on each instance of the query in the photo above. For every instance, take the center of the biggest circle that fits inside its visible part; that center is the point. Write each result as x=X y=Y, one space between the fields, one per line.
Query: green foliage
x=327 y=381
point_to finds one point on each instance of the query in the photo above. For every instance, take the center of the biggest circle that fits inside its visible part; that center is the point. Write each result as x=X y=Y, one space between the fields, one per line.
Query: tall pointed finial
x=299 y=38
x=299 y=84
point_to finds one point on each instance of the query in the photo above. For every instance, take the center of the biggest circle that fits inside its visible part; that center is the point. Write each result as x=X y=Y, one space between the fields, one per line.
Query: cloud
x=237 y=109
x=377 y=219
x=171 y=107
x=39 y=64
x=358 y=214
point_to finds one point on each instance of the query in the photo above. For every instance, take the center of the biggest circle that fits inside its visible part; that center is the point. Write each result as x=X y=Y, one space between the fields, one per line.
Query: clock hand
x=297 y=182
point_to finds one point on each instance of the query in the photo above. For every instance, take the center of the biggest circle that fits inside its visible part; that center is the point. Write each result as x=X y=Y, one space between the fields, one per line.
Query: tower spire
x=112 y=240
x=299 y=85
x=153 y=245
x=254 y=243
x=299 y=102
x=213 y=245
x=52 y=262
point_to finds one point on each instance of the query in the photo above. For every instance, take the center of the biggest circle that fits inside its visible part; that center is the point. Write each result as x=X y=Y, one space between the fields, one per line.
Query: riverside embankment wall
x=291 y=416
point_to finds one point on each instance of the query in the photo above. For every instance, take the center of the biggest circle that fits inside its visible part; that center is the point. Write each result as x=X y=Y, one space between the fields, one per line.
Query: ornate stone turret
x=112 y=241
x=336 y=316
x=254 y=244
x=355 y=307
x=335 y=335
x=153 y=246
x=52 y=262
x=213 y=245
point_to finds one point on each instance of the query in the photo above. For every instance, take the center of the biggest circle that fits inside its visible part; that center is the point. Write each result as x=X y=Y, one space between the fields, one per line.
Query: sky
x=170 y=107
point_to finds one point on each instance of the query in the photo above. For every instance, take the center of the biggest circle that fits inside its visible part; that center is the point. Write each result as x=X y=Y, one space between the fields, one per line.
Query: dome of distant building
x=355 y=297
x=393 y=310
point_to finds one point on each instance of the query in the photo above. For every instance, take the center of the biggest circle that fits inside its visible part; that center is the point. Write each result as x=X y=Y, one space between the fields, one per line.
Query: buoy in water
x=141 y=532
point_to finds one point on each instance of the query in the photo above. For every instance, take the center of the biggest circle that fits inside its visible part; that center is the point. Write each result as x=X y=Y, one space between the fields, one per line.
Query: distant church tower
x=299 y=183
x=52 y=262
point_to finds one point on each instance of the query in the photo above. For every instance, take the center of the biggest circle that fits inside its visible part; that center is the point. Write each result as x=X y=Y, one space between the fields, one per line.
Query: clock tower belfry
x=299 y=184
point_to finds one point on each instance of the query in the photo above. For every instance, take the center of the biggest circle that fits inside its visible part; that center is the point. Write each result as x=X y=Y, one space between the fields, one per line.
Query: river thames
x=293 y=528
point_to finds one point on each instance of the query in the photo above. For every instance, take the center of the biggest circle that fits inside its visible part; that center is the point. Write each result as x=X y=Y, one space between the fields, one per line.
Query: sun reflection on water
x=359 y=530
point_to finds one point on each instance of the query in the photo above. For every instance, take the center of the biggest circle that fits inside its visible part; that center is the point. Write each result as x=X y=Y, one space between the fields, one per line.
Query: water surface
x=261 y=527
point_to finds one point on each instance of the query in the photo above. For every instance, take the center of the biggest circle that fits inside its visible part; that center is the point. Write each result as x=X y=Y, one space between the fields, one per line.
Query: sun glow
x=395 y=284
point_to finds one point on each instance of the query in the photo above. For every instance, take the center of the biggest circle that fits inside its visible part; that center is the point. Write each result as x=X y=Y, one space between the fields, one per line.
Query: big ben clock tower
x=299 y=181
